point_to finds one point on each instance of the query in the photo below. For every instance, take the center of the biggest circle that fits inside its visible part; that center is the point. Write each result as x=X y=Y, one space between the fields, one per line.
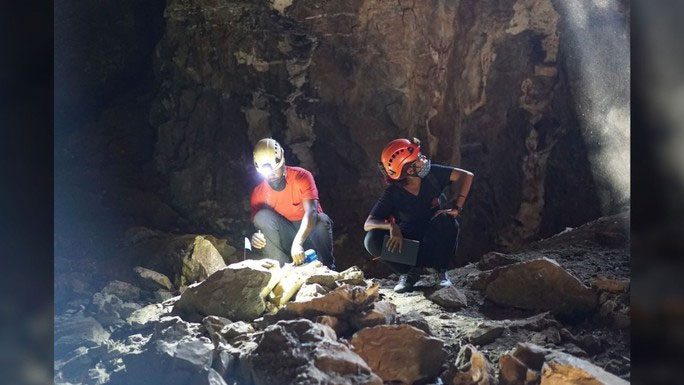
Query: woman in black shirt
x=410 y=208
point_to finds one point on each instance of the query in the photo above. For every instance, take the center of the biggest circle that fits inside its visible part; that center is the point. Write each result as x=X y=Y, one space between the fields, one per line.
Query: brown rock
x=345 y=299
x=540 y=284
x=339 y=326
x=449 y=297
x=555 y=366
x=382 y=313
x=400 y=352
x=303 y=352
x=610 y=285
x=476 y=368
x=511 y=370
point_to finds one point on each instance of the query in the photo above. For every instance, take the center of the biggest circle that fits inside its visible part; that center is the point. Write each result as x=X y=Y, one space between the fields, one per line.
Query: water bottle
x=310 y=256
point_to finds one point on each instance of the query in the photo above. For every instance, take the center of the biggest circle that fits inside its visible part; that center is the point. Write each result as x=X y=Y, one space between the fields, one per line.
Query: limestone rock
x=471 y=368
x=540 y=284
x=73 y=331
x=124 y=290
x=150 y=313
x=109 y=309
x=291 y=280
x=309 y=291
x=162 y=362
x=151 y=280
x=345 y=299
x=236 y=292
x=449 y=297
x=554 y=368
x=184 y=259
x=400 y=352
x=303 y=352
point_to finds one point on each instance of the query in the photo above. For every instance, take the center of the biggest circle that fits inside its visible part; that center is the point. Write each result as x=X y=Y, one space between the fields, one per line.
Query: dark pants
x=280 y=232
x=437 y=247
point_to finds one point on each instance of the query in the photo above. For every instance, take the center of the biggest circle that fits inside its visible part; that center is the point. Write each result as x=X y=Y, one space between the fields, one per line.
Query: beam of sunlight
x=597 y=34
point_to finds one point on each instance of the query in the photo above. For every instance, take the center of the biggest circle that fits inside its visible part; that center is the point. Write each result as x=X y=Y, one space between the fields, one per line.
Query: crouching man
x=285 y=210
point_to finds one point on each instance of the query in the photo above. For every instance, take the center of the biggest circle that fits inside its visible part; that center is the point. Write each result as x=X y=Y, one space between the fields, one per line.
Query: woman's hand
x=450 y=212
x=396 y=239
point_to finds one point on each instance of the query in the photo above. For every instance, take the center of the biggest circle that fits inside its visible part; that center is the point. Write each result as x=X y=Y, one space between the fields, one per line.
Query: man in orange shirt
x=285 y=210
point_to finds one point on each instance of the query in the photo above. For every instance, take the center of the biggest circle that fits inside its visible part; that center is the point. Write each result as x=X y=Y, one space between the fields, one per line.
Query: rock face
x=303 y=352
x=539 y=284
x=529 y=361
x=400 y=352
x=235 y=292
x=484 y=84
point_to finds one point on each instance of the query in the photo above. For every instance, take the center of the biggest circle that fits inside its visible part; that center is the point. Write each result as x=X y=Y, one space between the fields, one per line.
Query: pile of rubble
x=254 y=322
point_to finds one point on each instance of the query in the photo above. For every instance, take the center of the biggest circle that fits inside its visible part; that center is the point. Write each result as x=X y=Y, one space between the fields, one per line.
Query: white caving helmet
x=268 y=156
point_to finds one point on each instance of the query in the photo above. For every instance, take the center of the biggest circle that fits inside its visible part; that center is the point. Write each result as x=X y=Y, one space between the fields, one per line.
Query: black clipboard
x=408 y=255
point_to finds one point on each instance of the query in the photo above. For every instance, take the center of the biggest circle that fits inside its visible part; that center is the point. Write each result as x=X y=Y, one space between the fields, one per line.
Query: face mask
x=424 y=170
x=277 y=184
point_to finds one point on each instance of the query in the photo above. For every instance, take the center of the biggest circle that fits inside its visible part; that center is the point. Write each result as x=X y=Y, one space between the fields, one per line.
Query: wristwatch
x=459 y=208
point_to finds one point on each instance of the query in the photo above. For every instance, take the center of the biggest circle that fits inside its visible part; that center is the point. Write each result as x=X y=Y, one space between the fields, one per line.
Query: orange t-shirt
x=299 y=186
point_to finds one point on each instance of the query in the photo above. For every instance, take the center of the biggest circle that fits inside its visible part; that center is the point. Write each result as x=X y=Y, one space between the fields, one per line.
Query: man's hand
x=396 y=239
x=297 y=253
x=258 y=240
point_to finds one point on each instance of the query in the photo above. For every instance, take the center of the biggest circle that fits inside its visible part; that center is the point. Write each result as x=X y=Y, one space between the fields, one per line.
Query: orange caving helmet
x=397 y=154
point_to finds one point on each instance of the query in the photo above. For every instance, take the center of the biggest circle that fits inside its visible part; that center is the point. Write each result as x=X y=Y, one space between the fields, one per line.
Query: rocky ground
x=555 y=312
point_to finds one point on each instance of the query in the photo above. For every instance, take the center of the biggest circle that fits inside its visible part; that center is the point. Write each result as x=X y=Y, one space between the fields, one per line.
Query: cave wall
x=489 y=86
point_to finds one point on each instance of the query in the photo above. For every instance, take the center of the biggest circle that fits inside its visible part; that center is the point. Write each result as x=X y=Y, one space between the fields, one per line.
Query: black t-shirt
x=413 y=212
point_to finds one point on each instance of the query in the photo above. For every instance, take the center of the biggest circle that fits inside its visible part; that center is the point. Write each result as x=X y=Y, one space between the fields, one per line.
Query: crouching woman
x=409 y=208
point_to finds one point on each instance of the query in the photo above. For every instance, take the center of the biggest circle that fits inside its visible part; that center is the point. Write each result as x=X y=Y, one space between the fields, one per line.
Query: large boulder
x=185 y=259
x=235 y=292
x=400 y=353
x=303 y=352
x=528 y=362
x=539 y=284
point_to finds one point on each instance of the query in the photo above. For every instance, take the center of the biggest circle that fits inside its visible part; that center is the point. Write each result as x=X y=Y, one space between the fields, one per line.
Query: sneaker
x=406 y=282
x=443 y=279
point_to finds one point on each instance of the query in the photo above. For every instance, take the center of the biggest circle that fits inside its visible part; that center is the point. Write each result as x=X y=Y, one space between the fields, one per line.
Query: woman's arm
x=376 y=223
x=466 y=179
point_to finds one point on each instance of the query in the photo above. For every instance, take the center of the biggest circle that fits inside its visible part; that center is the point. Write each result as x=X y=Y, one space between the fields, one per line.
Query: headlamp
x=265 y=170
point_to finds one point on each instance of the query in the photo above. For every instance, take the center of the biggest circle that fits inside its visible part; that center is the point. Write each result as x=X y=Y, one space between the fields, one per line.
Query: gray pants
x=280 y=232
